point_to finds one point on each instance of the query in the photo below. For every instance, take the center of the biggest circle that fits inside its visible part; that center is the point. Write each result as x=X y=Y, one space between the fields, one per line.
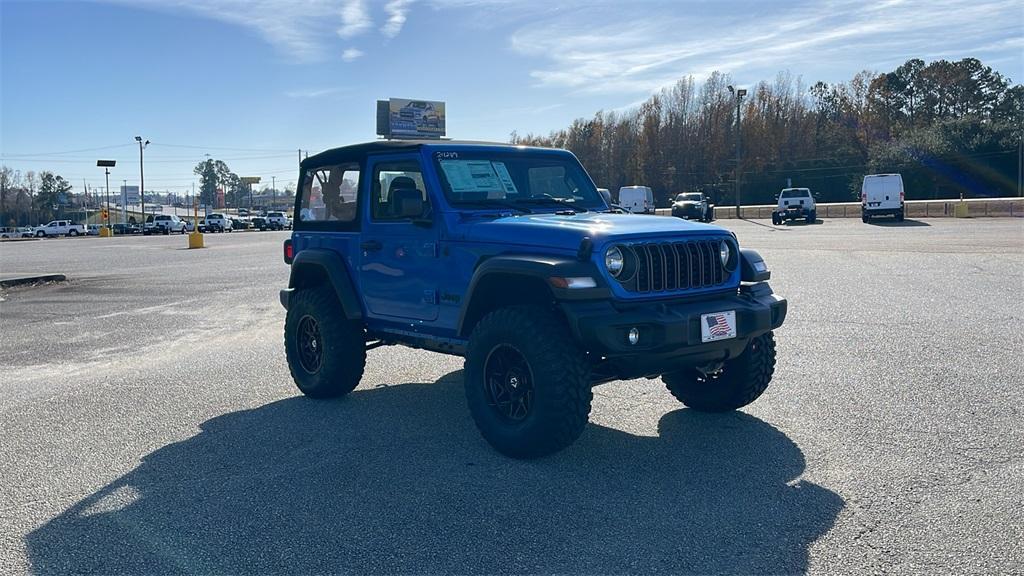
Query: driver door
x=399 y=269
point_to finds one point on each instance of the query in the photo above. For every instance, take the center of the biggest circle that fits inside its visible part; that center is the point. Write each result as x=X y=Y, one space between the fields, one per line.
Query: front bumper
x=792 y=213
x=670 y=332
x=693 y=211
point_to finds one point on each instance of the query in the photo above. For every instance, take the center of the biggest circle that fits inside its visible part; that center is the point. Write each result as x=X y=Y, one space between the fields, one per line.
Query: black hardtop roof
x=357 y=151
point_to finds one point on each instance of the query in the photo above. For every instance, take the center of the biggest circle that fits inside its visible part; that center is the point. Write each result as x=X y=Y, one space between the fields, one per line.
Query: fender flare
x=334 y=269
x=541 y=268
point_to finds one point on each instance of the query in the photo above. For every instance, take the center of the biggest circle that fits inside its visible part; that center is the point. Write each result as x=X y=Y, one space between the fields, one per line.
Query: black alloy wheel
x=508 y=383
x=311 y=346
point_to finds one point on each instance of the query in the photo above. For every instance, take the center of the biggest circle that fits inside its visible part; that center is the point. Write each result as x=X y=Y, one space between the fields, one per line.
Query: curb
x=22 y=280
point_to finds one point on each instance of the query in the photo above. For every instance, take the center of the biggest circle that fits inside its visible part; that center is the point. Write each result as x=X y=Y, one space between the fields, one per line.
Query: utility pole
x=142 y=178
x=273 y=191
x=739 y=93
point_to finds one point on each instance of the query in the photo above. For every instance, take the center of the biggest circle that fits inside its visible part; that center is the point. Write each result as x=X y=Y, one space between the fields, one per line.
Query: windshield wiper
x=551 y=200
x=496 y=204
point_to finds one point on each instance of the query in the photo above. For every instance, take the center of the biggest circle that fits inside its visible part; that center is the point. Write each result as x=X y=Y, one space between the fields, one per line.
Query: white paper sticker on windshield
x=478 y=176
x=505 y=177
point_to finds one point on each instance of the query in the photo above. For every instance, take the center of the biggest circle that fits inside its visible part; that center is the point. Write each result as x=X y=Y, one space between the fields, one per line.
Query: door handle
x=371 y=245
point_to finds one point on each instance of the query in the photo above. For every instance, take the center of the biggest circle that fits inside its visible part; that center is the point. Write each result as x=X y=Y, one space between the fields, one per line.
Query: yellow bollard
x=105 y=232
x=195 y=240
x=960 y=211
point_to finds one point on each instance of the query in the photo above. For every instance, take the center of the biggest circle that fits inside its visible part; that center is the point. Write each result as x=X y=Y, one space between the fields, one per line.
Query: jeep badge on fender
x=510 y=257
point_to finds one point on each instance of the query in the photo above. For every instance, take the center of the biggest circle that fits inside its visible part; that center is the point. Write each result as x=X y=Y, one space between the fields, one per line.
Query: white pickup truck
x=278 y=221
x=60 y=228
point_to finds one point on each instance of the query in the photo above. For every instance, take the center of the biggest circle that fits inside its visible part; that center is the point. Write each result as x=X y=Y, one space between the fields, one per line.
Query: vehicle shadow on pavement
x=396 y=480
x=892 y=223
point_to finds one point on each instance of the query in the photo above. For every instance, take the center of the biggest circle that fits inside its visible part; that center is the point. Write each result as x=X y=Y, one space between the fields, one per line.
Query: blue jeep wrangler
x=509 y=257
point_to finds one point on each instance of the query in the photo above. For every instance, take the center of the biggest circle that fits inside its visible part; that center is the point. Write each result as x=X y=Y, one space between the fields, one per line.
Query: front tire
x=741 y=381
x=326 y=351
x=40 y=234
x=527 y=383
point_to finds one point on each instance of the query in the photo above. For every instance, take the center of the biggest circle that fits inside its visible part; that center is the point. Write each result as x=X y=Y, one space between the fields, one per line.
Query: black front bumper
x=687 y=212
x=670 y=331
x=793 y=213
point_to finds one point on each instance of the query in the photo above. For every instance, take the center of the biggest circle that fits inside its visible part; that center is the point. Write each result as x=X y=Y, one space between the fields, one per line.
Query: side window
x=330 y=194
x=396 y=188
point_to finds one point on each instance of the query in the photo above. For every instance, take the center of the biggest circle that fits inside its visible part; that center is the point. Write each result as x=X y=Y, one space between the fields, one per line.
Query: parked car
x=93 y=230
x=60 y=228
x=121 y=229
x=215 y=223
x=17 y=232
x=693 y=205
x=278 y=221
x=795 y=204
x=239 y=224
x=529 y=277
x=882 y=195
x=637 y=199
x=259 y=223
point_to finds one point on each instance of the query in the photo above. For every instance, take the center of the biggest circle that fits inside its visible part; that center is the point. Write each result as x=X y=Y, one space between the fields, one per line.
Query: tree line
x=949 y=128
x=31 y=198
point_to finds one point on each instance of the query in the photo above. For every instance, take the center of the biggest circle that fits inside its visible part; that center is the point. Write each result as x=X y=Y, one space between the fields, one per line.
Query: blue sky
x=251 y=82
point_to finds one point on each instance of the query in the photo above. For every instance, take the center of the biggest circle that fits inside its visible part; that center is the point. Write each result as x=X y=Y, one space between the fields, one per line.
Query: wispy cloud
x=305 y=93
x=590 y=50
x=301 y=29
x=396 y=11
x=351 y=54
x=355 y=19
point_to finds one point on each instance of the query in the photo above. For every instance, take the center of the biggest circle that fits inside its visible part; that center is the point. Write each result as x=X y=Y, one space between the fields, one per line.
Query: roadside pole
x=195 y=238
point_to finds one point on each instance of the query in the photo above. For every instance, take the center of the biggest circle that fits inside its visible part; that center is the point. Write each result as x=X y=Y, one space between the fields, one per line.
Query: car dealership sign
x=403 y=118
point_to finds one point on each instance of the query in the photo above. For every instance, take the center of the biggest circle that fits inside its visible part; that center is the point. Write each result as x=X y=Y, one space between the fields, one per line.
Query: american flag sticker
x=718 y=326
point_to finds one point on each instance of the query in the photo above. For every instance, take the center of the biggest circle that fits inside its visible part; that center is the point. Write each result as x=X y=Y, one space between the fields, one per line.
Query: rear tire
x=527 y=383
x=865 y=218
x=326 y=351
x=899 y=216
x=741 y=381
x=812 y=217
x=73 y=233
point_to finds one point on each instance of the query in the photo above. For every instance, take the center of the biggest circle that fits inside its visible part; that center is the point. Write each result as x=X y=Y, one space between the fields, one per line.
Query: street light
x=142 y=179
x=107 y=165
x=739 y=93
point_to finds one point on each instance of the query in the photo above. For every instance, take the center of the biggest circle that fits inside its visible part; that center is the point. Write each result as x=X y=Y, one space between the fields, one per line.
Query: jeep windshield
x=532 y=182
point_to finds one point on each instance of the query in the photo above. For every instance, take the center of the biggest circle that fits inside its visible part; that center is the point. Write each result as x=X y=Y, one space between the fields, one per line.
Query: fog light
x=634 y=336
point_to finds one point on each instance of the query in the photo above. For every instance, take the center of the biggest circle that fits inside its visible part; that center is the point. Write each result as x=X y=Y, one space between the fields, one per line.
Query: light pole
x=273 y=191
x=107 y=165
x=142 y=178
x=739 y=93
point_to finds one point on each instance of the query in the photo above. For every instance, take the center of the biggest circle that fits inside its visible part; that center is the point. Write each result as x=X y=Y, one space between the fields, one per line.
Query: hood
x=566 y=232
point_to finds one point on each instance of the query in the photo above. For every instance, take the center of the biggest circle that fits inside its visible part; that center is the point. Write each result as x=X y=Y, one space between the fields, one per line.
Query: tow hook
x=713 y=369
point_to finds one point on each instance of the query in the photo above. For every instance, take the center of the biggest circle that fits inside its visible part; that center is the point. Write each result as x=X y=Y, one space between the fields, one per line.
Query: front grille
x=666 y=266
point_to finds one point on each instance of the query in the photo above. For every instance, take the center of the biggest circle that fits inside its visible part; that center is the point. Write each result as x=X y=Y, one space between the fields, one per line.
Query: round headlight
x=614 y=261
x=724 y=251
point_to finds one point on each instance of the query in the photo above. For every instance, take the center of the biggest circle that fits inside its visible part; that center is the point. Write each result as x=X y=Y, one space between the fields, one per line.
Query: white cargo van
x=637 y=199
x=881 y=195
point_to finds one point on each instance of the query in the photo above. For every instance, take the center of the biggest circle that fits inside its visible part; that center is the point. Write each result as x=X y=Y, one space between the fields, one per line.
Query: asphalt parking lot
x=148 y=424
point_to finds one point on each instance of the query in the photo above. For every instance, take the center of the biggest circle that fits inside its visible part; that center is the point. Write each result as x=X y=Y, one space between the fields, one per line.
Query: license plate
x=718 y=326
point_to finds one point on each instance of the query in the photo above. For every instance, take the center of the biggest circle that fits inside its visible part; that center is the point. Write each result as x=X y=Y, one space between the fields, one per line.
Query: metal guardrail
x=976 y=208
